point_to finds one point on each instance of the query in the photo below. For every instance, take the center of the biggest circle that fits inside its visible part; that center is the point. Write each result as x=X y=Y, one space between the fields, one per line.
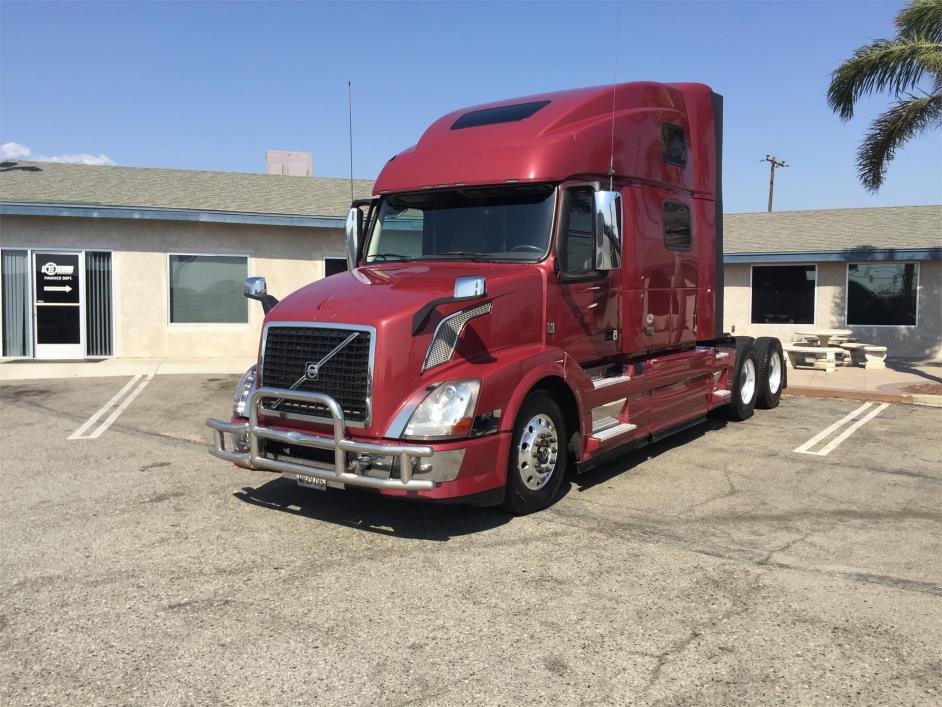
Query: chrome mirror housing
x=354 y=227
x=470 y=286
x=256 y=288
x=608 y=228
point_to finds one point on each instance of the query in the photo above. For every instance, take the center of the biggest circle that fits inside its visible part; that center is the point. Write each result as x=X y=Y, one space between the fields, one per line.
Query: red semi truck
x=536 y=285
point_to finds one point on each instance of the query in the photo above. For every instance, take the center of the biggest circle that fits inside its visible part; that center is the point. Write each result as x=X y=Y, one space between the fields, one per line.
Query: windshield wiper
x=387 y=256
x=462 y=254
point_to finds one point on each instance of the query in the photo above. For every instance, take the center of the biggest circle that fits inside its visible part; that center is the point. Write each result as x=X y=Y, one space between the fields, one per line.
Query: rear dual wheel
x=744 y=384
x=772 y=373
x=758 y=378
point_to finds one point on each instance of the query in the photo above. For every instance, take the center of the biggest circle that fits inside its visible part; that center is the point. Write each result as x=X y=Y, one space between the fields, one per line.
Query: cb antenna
x=611 y=160
x=350 y=131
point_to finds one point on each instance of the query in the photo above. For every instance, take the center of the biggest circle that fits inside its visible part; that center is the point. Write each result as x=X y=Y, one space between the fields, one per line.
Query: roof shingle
x=824 y=230
x=56 y=183
x=828 y=230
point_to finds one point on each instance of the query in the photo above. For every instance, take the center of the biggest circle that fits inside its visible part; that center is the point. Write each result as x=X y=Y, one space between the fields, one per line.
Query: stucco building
x=116 y=261
x=875 y=271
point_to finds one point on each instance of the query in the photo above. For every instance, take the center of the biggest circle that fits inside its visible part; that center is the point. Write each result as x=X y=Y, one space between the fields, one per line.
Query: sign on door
x=57 y=281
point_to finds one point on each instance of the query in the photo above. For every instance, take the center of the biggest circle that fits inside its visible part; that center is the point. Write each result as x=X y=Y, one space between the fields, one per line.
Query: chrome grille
x=346 y=376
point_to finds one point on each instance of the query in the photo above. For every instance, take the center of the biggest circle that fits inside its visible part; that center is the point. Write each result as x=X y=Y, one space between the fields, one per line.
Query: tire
x=773 y=377
x=540 y=426
x=744 y=388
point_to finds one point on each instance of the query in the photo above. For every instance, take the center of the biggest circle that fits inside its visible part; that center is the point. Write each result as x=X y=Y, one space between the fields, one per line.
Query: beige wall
x=923 y=341
x=289 y=257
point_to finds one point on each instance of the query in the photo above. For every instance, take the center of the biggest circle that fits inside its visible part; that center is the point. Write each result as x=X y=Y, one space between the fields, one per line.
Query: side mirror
x=256 y=288
x=608 y=227
x=354 y=230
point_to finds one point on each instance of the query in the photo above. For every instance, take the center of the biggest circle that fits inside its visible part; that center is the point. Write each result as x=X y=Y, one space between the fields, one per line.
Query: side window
x=576 y=243
x=678 y=231
x=674 y=144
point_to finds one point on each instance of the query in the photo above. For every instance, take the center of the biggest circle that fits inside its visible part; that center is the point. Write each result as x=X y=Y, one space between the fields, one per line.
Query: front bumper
x=246 y=450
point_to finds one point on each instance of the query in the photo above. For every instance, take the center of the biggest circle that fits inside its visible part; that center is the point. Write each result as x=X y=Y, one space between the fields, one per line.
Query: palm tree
x=899 y=66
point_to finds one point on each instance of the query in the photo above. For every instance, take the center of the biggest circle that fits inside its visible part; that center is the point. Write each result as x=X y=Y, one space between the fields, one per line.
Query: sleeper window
x=678 y=230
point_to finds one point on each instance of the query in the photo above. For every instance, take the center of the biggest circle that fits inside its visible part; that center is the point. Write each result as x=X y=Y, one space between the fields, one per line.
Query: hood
x=386 y=297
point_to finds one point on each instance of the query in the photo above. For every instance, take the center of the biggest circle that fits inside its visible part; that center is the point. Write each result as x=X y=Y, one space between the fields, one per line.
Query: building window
x=577 y=246
x=882 y=294
x=678 y=232
x=332 y=266
x=17 y=302
x=783 y=294
x=207 y=289
x=674 y=144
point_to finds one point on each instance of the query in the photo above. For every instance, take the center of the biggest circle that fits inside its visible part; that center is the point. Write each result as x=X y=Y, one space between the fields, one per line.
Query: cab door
x=584 y=310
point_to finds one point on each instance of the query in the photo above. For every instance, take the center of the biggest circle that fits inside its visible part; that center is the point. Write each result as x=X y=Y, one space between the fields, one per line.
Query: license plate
x=312 y=482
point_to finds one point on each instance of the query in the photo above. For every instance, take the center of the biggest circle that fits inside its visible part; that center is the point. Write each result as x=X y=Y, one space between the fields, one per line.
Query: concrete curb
x=898 y=398
x=22 y=370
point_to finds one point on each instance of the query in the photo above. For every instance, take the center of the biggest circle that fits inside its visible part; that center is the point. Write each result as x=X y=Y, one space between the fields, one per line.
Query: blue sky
x=212 y=86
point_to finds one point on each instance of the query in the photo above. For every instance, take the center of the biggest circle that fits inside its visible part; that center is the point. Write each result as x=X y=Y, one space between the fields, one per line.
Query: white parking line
x=94 y=418
x=80 y=432
x=823 y=434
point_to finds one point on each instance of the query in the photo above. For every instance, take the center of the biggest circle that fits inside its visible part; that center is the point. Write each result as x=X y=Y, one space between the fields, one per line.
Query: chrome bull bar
x=251 y=431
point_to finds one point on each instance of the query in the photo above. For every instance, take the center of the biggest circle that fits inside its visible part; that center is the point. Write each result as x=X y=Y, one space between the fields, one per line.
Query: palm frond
x=889 y=131
x=894 y=65
x=922 y=18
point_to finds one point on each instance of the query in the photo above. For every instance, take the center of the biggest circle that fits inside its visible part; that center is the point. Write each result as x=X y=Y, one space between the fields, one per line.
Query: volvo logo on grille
x=311 y=371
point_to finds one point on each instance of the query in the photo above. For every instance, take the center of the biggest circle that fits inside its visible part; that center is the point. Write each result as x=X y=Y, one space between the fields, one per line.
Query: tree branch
x=889 y=131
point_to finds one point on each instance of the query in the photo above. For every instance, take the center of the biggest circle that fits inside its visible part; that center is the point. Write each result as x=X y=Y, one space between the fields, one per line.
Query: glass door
x=58 y=304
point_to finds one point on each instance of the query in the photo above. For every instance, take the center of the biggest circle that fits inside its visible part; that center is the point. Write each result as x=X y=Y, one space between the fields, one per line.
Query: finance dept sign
x=57 y=279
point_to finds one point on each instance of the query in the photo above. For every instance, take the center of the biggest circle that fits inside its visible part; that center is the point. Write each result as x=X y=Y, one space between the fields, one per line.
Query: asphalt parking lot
x=718 y=566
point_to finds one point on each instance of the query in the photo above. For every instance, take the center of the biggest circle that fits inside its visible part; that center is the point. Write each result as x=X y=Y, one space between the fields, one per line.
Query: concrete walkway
x=887 y=385
x=847 y=382
x=26 y=369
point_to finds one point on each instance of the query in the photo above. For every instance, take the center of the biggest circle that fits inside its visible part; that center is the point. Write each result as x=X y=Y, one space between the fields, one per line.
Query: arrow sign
x=57 y=288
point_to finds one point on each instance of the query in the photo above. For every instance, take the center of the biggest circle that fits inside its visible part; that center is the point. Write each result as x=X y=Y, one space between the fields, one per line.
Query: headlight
x=243 y=392
x=446 y=412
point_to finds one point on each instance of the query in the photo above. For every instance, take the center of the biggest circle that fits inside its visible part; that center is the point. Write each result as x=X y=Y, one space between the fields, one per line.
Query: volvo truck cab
x=534 y=287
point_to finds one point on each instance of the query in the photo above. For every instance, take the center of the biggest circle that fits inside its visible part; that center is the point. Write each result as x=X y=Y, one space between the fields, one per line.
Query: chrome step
x=721 y=393
x=603 y=423
x=613 y=431
x=610 y=374
x=605 y=382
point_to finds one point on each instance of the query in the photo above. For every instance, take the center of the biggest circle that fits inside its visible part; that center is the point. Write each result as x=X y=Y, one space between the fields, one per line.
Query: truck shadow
x=373 y=513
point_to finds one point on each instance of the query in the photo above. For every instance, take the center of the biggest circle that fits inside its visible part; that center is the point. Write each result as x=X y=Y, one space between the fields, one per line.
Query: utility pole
x=773 y=163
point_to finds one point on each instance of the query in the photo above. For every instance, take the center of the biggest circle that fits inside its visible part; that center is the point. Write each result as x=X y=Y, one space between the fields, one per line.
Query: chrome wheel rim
x=747 y=386
x=775 y=372
x=537 y=452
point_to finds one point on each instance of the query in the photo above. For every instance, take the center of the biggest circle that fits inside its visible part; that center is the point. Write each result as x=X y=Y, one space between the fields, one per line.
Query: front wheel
x=538 y=455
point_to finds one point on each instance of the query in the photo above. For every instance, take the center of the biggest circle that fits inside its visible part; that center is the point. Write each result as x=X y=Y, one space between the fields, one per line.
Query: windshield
x=510 y=224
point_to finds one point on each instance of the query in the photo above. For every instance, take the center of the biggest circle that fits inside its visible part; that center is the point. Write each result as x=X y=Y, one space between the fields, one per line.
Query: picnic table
x=824 y=335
